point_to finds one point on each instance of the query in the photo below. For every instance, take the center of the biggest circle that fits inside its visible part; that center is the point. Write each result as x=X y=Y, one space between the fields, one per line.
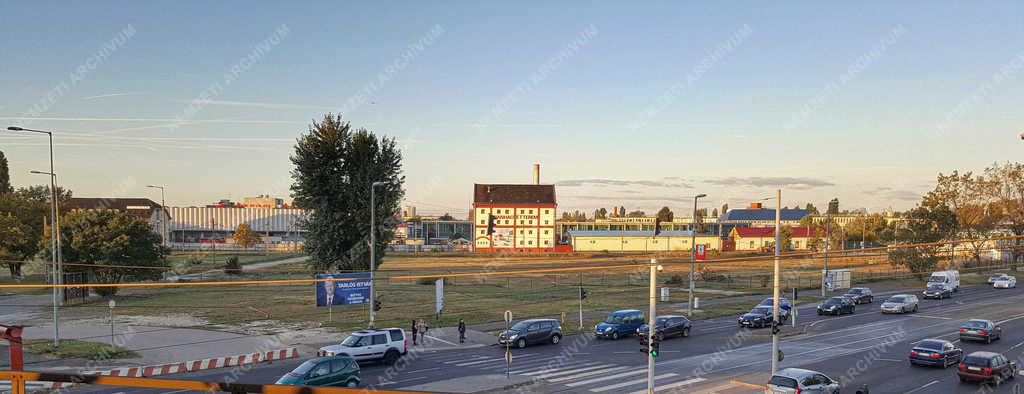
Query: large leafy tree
x=22 y=227
x=113 y=245
x=41 y=193
x=335 y=166
x=665 y=214
x=5 y=175
x=1003 y=184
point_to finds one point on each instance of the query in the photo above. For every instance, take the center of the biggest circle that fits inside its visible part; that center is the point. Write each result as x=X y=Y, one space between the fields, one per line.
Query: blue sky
x=875 y=136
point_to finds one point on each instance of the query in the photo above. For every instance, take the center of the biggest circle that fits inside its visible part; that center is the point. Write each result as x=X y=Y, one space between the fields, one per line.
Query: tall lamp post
x=163 y=214
x=373 y=249
x=693 y=253
x=775 y=280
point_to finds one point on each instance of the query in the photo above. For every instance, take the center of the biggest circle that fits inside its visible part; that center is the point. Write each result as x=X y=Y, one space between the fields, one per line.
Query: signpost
x=702 y=252
x=508 y=352
x=342 y=289
x=111 y=304
x=439 y=296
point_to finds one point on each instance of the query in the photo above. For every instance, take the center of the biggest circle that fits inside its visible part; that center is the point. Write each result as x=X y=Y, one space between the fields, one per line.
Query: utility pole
x=828 y=230
x=581 y=300
x=650 y=326
x=693 y=254
x=373 y=251
x=266 y=238
x=163 y=214
x=775 y=281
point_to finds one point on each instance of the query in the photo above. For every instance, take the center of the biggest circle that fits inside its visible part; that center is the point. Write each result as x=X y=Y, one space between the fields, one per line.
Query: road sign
x=702 y=252
x=439 y=295
x=111 y=304
x=508 y=357
x=508 y=317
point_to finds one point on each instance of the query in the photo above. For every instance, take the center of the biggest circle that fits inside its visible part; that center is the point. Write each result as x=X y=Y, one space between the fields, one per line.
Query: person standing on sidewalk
x=414 y=331
x=422 y=328
x=462 y=331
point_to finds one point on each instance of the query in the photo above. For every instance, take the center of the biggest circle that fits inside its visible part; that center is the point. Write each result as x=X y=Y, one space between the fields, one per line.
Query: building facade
x=640 y=241
x=761 y=238
x=523 y=218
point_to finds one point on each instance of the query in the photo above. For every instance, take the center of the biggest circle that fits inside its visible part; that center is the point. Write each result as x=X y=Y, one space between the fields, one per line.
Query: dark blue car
x=620 y=324
x=936 y=352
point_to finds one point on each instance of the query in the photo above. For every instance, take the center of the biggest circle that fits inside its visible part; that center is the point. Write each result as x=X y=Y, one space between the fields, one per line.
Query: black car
x=936 y=352
x=666 y=327
x=937 y=291
x=837 y=306
x=980 y=330
x=530 y=332
x=759 y=317
x=860 y=295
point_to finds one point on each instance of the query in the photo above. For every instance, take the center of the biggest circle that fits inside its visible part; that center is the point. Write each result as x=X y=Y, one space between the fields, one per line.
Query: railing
x=18 y=380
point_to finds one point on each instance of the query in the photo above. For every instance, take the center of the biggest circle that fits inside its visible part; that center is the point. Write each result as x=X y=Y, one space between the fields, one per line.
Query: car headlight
x=513 y=336
x=330 y=354
x=607 y=329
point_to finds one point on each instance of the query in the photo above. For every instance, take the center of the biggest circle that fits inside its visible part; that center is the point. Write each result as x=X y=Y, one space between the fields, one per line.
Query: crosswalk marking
x=586 y=374
x=559 y=372
x=610 y=377
x=487 y=360
x=672 y=386
x=630 y=383
x=549 y=368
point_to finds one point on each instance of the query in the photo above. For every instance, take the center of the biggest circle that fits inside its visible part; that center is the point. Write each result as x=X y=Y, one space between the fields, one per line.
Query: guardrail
x=18 y=380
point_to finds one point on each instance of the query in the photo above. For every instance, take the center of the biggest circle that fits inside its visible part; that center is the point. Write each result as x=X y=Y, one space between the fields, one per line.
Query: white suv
x=387 y=345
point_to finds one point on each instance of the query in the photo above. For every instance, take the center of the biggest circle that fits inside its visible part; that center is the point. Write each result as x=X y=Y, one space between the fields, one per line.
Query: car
x=532 y=332
x=980 y=330
x=937 y=291
x=784 y=305
x=860 y=295
x=759 y=317
x=338 y=370
x=1006 y=282
x=936 y=352
x=992 y=279
x=837 y=306
x=950 y=278
x=900 y=303
x=619 y=324
x=797 y=380
x=386 y=344
x=986 y=367
x=666 y=327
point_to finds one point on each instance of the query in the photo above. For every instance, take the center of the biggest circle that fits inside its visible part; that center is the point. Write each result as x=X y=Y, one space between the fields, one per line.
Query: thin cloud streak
x=757 y=181
x=253 y=104
x=619 y=182
x=99 y=96
x=238 y=121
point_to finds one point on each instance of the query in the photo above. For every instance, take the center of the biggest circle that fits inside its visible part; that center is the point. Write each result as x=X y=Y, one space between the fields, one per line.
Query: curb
x=171 y=368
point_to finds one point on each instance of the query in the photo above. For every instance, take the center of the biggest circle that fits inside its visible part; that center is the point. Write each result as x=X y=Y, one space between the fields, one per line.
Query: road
x=864 y=348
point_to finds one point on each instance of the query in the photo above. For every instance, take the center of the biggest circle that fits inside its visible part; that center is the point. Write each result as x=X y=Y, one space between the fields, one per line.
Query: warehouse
x=639 y=241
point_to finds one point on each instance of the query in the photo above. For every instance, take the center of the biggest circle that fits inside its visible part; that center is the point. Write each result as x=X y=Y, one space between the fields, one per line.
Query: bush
x=676 y=279
x=192 y=260
x=232 y=266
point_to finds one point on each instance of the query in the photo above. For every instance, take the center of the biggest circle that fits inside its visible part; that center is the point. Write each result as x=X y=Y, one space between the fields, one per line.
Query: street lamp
x=163 y=214
x=53 y=258
x=54 y=210
x=373 y=249
x=693 y=252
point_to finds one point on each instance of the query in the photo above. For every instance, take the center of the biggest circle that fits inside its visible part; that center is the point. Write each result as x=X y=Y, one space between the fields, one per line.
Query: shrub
x=676 y=279
x=232 y=266
x=193 y=260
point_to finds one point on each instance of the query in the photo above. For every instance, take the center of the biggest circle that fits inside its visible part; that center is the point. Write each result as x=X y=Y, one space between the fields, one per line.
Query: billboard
x=351 y=288
x=502 y=238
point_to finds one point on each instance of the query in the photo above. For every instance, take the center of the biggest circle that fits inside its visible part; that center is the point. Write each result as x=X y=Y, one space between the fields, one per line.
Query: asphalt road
x=864 y=348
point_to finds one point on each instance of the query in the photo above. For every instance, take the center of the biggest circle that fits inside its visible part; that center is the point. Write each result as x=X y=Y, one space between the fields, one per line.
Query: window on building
x=531 y=212
x=545 y=232
x=546 y=242
x=520 y=242
x=506 y=211
x=546 y=211
x=531 y=242
x=531 y=232
x=546 y=221
x=751 y=244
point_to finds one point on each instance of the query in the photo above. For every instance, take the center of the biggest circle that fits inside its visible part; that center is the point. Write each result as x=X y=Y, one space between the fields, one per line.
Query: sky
x=642 y=105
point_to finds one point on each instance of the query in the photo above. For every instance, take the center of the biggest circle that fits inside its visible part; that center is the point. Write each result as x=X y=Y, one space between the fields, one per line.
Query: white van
x=950 y=278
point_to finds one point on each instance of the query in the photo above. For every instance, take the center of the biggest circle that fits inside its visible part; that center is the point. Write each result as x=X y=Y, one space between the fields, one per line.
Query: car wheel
x=659 y=336
x=988 y=340
x=521 y=343
x=555 y=339
x=853 y=310
x=686 y=332
x=391 y=357
x=351 y=384
x=615 y=336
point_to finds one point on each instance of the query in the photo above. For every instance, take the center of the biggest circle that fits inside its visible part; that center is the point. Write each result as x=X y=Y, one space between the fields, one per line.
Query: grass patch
x=70 y=348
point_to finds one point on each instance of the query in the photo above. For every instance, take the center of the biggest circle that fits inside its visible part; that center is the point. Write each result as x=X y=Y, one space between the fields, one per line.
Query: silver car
x=900 y=303
x=803 y=381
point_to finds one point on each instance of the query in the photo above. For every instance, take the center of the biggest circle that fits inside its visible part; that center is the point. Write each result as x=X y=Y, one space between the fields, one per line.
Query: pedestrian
x=422 y=328
x=462 y=331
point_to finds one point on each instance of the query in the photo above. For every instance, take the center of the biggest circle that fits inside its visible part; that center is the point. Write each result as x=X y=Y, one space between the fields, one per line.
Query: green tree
x=601 y=213
x=244 y=236
x=833 y=206
x=636 y=214
x=446 y=216
x=622 y=211
x=665 y=214
x=127 y=245
x=1004 y=185
x=335 y=166
x=5 y=175
x=22 y=229
x=811 y=209
x=41 y=193
x=725 y=208
x=786 y=238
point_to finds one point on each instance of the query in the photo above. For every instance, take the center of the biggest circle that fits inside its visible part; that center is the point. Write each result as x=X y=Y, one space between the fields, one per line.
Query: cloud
x=665 y=182
x=786 y=182
x=253 y=104
x=618 y=198
x=888 y=193
x=112 y=95
x=90 y=119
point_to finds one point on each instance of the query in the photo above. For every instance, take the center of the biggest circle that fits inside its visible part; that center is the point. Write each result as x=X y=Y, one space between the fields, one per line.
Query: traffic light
x=376 y=305
x=655 y=346
x=490 y=224
x=775 y=327
x=583 y=294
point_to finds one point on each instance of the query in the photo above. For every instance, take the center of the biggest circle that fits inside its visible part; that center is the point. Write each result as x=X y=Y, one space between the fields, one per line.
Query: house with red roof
x=760 y=238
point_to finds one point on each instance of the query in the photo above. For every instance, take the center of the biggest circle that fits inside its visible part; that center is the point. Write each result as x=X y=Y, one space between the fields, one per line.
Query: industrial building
x=640 y=241
x=521 y=216
x=194 y=226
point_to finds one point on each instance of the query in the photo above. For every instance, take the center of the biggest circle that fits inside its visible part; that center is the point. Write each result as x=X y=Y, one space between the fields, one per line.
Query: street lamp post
x=163 y=214
x=775 y=280
x=693 y=253
x=373 y=250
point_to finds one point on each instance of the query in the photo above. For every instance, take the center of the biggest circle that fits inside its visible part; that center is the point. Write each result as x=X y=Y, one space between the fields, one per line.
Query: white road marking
x=887 y=359
x=922 y=387
x=932 y=317
x=630 y=383
x=554 y=373
x=425 y=370
x=672 y=386
x=442 y=340
x=603 y=378
x=551 y=368
x=491 y=360
x=1016 y=346
x=586 y=374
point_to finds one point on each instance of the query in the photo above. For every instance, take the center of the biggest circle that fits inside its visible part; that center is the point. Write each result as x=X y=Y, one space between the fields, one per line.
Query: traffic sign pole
x=650 y=326
x=508 y=352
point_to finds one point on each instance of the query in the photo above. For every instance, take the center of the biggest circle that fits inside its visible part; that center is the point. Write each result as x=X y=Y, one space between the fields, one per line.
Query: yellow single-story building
x=639 y=241
x=760 y=238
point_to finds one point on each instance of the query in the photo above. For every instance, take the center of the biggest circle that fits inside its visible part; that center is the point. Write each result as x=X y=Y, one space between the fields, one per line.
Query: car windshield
x=936 y=287
x=521 y=326
x=855 y=291
x=976 y=360
x=997 y=276
x=782 y=381
x=355 y=340
x=897 y=299
x=305 y=367
x=834 y=301
x=615 y=318
x=1003 y=278
x=761 y=310
x=930 y=345
x=662 y=321
x=975 y=324
x=937 y=278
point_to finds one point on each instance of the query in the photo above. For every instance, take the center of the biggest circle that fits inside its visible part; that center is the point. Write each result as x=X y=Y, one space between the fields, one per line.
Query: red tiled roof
x=769 y=232
x=513 y=194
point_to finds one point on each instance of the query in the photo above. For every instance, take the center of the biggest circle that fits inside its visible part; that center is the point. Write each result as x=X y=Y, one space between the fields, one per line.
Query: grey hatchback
x=532 y=331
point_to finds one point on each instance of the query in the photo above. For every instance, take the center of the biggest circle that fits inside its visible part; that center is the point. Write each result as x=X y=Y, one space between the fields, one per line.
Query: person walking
x=462 y=331
x=415 y=329
x=422 y=328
